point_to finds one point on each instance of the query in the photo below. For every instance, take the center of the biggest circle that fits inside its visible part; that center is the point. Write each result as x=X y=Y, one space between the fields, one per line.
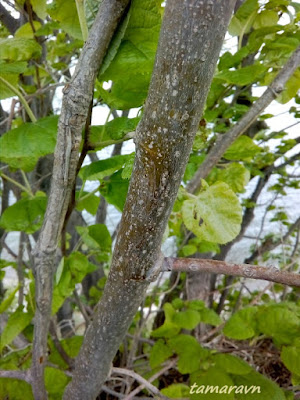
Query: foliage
x=36 y=60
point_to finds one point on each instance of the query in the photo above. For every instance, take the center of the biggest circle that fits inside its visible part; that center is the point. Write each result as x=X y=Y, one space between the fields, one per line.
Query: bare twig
x=140 y=379
x=14 y=374
x=221 y=267
x=151 y=379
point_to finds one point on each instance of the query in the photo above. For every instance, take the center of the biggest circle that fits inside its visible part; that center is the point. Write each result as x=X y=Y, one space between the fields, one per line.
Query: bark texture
x=191 y=37
x=77 y=97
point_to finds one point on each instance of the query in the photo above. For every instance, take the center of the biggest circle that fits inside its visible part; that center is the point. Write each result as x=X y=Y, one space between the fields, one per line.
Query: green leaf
x=260 y=386
x=189 y=351
x=55 y=382
x=115 y=189
x=96 y=237
x=10 y=295
x=290 y=356
x=215 y=215
x=16 y=323
x=91 y=8
x=235 y=175
x=15 y=389
x=168 y=329
x=211 y=385
x=25 y=31
x=243 y=149
x=90 y=203
x=243 y=76
x=65 y=12
x=188 y=319
x=160 y=352
x=265 y=18
x=291 y=88
x=241 y=21
x=103 y=135
x=100 y=169
x=17 y=67
x=229 y=60
x=115 y=43
x=40 y=8
x=231 y=364
x=176 y=391
x=5 y=91
x=209 y=316
x=131 y=68
x=279 y=322
x=26 y=215
x=242 y=325
x=19 y=49
x=128 y=167
x=188 y=250
x=23 y=146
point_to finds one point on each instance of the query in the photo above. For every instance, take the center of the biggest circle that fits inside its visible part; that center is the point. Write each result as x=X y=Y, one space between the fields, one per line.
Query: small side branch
x=224 y=141
x=14 y=374
x=271 y=274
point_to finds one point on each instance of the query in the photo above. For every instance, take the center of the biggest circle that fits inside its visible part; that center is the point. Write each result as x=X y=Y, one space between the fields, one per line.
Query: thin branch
x=221 y=267
x=151 y=379
x=224 y=141
x=14 y=374
x=75 y=105
x=140 y=379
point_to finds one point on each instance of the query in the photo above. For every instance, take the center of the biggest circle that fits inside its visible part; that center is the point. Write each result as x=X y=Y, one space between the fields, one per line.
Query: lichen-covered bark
x=191 y=37
x=77 y=97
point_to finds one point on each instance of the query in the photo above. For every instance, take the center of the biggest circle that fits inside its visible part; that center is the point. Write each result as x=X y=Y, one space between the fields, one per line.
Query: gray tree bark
x=191 y=37
x=76 y=101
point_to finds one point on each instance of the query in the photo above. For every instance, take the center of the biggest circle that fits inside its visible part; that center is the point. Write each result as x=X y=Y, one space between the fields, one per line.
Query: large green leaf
x=103 y=135
x=279 y=322
x=234 y=174
x=5 y=91
x=243 y=149
x=131 y=68
x=190 y=353
x=261 y=387
x=160 y=352
x=96 y=237
x=100 y=169
x=23 y=146
x=169 y=328
x=290 y=356
x=26 y=215
x=65 y=12
x=231 y=364
x=209 y=383
x=16 y=323
x=55 y=382
x=40 y=8
x=215 y=215
x=188 y=319
x=266 y=18
x=115 y=189
x=242 y=325
x=176 y=391
x=19 y=49
x=241 y=21
x=243 y=76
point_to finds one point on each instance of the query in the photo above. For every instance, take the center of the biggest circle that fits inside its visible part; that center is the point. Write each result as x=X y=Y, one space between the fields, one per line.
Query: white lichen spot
x=174 y=93
x=177 y=154
x=154 y=114
x=150 y=145
x=165 y=130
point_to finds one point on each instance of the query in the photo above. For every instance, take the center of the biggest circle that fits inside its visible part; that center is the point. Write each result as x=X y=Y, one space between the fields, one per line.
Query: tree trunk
x=191 y=37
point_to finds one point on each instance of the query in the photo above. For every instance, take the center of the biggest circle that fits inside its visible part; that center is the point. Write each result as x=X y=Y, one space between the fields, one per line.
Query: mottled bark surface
x=76 y=101
x=191 y=37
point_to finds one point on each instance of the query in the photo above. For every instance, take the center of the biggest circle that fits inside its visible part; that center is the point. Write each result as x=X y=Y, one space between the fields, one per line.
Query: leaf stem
x=82 y=20
x=24 y=188
x=21 y=97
